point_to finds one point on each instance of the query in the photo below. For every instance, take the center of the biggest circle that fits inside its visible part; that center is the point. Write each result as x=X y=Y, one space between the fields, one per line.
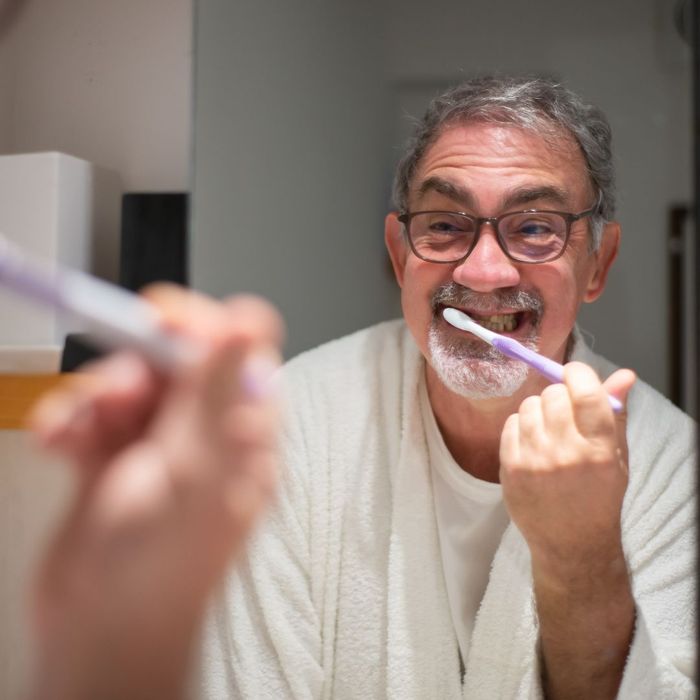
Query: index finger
x=246 y=318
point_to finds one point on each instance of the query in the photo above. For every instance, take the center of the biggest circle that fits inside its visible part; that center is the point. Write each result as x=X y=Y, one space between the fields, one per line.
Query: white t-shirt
x=471 y=519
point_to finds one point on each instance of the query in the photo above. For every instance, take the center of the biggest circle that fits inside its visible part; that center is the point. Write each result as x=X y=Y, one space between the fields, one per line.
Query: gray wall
x=301 y=106
x=109 y=82
x=291 y=157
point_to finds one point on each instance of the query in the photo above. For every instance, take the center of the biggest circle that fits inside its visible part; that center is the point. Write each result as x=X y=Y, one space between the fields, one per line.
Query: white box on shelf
x=66 y=211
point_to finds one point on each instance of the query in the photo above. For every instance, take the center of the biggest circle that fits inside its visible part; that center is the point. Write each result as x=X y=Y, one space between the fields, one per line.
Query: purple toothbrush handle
x=549 y=368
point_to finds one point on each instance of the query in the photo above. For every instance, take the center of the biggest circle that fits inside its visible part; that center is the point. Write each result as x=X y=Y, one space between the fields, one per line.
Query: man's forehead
x=530 y=166
x=550 y=139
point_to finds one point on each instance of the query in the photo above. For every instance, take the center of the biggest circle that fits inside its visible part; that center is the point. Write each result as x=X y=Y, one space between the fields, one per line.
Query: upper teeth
x=498 y=323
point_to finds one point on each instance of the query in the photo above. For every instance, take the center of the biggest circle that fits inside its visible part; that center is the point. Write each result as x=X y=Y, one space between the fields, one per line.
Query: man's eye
x=444 y=227
x=448 y=226
x=535 y=228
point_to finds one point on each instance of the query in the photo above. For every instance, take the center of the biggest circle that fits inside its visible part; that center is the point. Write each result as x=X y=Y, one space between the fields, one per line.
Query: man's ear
x=396 y=245
x=604 y=258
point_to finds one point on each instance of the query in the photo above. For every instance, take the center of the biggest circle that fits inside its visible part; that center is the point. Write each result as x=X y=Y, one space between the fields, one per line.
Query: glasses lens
x=533 y=236
x=441 y=236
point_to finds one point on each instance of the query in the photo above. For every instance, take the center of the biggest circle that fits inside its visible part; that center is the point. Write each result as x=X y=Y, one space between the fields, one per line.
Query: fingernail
x=123 y=371
x=259 y=378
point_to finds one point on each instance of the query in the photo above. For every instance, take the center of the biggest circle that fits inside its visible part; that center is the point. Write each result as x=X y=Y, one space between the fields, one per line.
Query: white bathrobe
x=343 y=595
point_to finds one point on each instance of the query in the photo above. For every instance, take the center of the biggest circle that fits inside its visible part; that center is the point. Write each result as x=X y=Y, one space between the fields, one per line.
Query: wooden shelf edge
x=19 y=393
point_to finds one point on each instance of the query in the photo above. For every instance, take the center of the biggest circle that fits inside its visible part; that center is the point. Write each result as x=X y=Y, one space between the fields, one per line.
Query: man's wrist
x=586 y=619
x=602 y=570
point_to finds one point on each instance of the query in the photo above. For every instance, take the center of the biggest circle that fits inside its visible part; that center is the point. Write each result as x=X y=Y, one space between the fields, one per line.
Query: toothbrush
x=512 y=348
x=116 y=317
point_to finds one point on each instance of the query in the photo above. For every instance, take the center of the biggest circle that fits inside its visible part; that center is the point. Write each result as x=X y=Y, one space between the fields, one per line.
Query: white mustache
x=453 y=294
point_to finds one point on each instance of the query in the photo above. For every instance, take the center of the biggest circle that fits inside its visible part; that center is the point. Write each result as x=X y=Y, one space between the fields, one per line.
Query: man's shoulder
x=353 y=354
x=347 y=391
x=651 y=415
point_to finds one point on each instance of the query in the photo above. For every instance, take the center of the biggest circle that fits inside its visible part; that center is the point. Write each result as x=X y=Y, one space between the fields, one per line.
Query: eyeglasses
x=532 y=236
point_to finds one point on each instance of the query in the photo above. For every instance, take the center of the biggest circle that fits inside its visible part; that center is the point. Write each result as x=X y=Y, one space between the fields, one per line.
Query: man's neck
x=472 y=428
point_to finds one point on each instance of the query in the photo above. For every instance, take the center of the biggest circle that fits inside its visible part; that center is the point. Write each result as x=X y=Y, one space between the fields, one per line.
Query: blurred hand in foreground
x=172 y=473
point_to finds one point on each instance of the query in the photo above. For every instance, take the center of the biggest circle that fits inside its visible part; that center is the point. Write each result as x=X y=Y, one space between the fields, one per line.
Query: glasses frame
x=479 y=222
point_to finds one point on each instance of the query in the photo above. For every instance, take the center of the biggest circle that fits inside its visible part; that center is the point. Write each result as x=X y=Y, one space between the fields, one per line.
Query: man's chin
x=475 y=371
x=480 y=386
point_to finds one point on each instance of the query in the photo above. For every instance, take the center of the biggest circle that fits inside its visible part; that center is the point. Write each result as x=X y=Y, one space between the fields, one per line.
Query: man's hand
x=564 y=475
x=173 y=471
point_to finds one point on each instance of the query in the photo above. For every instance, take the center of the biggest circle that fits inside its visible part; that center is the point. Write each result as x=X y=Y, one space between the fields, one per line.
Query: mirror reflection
x=463 y=528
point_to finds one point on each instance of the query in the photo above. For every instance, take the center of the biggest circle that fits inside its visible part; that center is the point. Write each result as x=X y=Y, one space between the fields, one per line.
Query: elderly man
x=450 y=524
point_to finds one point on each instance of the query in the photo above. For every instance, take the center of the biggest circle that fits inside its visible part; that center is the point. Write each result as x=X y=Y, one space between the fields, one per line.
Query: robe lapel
x=423 y=657
x=503 y=660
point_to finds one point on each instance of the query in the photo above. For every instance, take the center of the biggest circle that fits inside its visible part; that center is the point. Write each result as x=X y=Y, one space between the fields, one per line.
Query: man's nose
x=487 y=267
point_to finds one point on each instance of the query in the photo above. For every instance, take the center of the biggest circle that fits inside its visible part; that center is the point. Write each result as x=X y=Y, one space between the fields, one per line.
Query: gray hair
x=539 y=104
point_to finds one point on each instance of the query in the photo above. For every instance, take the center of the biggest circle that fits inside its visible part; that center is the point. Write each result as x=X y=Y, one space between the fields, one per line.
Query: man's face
x=487 y=170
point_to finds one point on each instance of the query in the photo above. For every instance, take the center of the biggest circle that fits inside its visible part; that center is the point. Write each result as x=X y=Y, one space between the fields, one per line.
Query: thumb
x=619 y=384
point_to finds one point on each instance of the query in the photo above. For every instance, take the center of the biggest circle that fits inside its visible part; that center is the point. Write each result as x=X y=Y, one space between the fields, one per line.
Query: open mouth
x=499 y=323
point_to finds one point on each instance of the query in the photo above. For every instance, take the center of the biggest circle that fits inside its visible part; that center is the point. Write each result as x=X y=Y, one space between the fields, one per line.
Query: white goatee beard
x=473 y=369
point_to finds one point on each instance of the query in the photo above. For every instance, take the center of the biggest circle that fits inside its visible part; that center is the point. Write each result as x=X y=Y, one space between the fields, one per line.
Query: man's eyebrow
x=522 y=196
x=519 y=197
x=449 y=189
